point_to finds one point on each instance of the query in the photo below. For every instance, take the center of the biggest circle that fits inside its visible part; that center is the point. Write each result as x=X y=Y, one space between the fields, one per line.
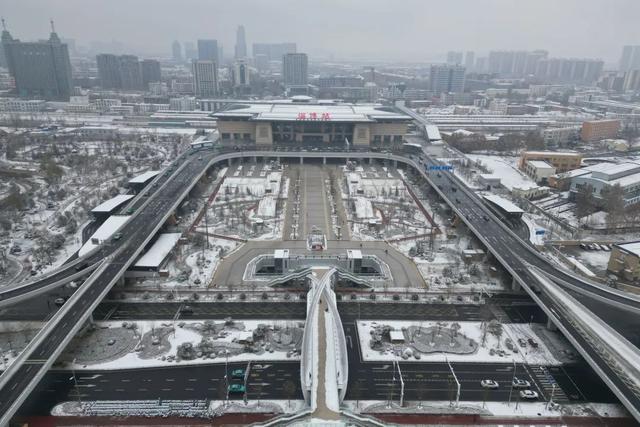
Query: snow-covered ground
x=170 y=335
x=506 y=168
x=471 y=330
x=498 y=409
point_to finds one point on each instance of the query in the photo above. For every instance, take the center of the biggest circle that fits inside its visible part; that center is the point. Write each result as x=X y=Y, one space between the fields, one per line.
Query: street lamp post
x=513 y=378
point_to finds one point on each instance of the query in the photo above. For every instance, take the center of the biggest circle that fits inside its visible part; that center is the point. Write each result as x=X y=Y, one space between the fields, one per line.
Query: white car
x=528 y=394
x=489 y=384
x=518 y=383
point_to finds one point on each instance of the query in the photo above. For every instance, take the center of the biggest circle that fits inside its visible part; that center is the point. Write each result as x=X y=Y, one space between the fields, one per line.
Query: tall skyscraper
x=470 y=60
x=241 y=43
x=447 y=78
x=208 y=50
x=454 y=58
x=273 y=51
x=630 y=58
x=176 y=51
x=130 y=72
x=294 y=69
x=150 y=72
x=190 y=51
x=40 y=69
x=109 y=71
x=261 y=62
x=205 y=78
x=241 y=73
x=126 y=72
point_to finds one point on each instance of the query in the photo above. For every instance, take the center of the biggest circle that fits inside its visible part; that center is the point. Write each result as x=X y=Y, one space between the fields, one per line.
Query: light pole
x=513 y=378
x=457 y=382
x=75 y=382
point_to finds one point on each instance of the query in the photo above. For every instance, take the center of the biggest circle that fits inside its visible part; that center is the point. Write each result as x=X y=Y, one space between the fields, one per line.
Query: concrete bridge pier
x=229 y=163
x=515 y=285
x=324 y=160
x=301 y=160
x=550 y=325
x=370 y=160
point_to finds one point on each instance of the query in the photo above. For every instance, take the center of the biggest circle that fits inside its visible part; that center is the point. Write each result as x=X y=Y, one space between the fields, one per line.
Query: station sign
x=539 y=232
x=314 y=116
x=441 y=168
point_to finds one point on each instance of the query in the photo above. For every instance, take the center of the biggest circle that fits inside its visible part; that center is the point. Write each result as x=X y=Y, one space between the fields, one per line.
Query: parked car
x=532 y=343
x=528 y=394
x=489 y=384
x=59 y=301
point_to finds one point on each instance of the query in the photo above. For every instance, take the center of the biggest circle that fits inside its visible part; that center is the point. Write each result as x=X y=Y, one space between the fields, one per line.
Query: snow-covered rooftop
x=631 y=247
x=142 y=178
x=111 y=204
x=540 y=164
x=503 y=203
x=104 y=232
x=159 y=251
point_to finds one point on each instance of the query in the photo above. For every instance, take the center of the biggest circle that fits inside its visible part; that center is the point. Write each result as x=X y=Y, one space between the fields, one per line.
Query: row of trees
x=508 y=143
x=611 y=201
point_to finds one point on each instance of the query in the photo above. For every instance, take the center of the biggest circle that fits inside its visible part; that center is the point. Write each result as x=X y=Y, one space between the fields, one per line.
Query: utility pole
x=513 y=378
x=457 y=382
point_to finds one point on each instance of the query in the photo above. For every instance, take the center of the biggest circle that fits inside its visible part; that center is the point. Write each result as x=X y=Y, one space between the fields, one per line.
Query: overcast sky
x=419 y=30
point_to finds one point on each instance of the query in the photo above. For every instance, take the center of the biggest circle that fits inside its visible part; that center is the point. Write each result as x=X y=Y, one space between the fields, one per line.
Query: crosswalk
x=548 y=384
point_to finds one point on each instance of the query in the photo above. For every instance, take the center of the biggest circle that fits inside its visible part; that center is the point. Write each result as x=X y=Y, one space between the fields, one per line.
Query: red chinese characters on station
x=313 y=116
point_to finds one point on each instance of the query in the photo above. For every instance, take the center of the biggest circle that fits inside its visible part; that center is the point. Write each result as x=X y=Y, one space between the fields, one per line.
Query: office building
x=469 y=61
x=241 y=74
x=599 y=129
x=120 y=72
x=603 y=176
x=241 y=43
x=562 y=161
x=539 y=170
x=447 y=78
x=40 y=69
x=294 y=69
x=176 y=51
x=481 y=65
x=624 y=260
x=630 y=58
x=273 y=51
x=208 y=50
x=205 y=78
x=150 y=72
x=183 y=103
x=454 y=58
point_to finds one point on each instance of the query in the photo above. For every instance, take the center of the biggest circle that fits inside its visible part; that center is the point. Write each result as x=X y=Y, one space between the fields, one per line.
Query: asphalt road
x=403 y=270
x=434 y=381
x=266 y=381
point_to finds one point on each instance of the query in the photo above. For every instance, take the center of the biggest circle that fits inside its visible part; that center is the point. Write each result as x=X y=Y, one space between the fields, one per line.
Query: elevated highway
x=517 y=256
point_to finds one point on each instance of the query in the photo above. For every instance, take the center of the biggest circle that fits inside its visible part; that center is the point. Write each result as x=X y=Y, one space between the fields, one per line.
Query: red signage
x=313 y=116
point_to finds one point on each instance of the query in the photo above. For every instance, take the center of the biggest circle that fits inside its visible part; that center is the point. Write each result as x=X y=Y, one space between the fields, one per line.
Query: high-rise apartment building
x=176 y=51
x=273 y=51
x=294 y=69
x=630 y=58
x=150 y=72
x=261 y=62
x=130 y=72
x=241 y=43
x=631 y=81
x=454 y=58
x=190 y=51
x=109 y=71
x=470 y=60
x=569 y=70
x=205 y=78
x=208 y=50
x=40 y=69
x=447 y=78
x=514 y=63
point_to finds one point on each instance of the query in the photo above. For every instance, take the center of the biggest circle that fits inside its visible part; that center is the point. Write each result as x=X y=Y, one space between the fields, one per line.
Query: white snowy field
x=132 y=360
x=506 y=168
x=473 y=330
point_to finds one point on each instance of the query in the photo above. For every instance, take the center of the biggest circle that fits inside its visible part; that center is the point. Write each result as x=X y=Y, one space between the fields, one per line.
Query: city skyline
x=428 y=31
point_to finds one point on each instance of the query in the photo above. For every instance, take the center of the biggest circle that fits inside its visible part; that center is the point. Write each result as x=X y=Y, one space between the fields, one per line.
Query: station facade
x=307 y=124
